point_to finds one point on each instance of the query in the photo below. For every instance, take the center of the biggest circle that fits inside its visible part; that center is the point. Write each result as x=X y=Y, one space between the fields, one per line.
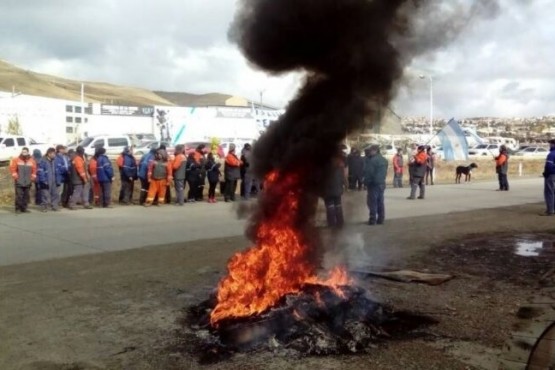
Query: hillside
x=38 y=84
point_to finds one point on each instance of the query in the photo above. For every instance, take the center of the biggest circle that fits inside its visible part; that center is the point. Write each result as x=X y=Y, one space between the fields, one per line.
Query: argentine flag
x=453 y=140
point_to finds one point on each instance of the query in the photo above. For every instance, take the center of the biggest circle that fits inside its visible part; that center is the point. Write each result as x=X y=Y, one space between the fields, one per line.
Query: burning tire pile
x=354 y=53
x=320 y=320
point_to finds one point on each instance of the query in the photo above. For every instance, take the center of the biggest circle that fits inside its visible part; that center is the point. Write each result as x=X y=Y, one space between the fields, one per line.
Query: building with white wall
x=43 y=119
x=56 y=121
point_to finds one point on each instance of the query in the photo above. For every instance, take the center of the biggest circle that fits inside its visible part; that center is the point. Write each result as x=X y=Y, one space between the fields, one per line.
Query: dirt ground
x=122 y=310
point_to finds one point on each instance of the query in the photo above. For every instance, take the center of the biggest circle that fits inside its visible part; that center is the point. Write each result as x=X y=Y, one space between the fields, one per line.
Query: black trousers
x=168 y=199
x=212 y=189
x=66 y=193
x=22 y=197
x=503 y=181
x=193 y=188
x=334 y=212
x=126 y=192
x=199 y=195
x=230 y=188
x=355 y=182
x=144 y=191
x=430 y=175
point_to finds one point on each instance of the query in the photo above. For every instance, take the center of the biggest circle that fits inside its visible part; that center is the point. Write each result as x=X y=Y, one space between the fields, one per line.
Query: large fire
x=279 y=263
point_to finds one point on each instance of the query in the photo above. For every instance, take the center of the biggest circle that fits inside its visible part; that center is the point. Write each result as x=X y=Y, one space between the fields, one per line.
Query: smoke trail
x=354 y=53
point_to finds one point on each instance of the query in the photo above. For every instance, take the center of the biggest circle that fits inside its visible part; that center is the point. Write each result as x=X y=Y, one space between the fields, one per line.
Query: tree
x=14 y=128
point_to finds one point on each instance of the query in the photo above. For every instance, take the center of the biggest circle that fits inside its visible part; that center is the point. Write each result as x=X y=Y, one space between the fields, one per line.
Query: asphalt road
x=41 y=236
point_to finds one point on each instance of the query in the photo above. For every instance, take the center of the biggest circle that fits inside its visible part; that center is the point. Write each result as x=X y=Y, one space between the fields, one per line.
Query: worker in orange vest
x=159 y=176
x=24 y=173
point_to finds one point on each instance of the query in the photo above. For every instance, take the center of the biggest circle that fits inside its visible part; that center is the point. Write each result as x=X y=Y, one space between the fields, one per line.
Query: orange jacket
x=119 y=161
x=17 y=161
x=180 y=158
x=232 y=160
x=500 y=160
x=197 y=156
x=421 y=158
x=397 y=166
x=79 y=165
x=92 y=168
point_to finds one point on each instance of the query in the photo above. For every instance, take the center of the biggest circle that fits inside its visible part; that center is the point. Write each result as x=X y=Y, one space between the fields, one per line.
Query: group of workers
x=70 y=178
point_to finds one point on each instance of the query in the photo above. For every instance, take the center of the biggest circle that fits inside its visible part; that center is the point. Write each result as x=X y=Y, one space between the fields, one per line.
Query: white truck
x=11 y=145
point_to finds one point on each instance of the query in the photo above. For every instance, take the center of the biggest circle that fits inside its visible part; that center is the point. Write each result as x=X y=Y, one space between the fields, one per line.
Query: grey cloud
x=500 y=64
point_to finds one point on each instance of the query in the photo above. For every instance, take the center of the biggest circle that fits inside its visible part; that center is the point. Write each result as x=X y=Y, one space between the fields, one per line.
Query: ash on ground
x=318 y=321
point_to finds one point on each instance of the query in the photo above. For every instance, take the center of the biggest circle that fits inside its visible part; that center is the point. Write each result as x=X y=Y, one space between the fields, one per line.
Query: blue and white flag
x=453 y=140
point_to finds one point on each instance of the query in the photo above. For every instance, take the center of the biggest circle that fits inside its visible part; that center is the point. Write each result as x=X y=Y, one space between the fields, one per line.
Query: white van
x=113 y=144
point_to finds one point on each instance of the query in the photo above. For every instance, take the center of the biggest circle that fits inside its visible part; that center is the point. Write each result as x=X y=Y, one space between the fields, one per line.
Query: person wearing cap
x=232 y=173
x=549 y=181
x=375 y=174
x=23 y=169
x=502 y=168
x=80 y=180
x=417 y=168
x=62 y=171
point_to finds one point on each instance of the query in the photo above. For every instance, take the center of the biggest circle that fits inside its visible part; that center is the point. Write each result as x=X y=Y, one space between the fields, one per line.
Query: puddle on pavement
x=533 y=248
x=521 y=258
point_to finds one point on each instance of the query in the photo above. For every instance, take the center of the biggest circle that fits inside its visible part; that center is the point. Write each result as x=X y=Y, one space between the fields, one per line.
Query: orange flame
x=276 y=266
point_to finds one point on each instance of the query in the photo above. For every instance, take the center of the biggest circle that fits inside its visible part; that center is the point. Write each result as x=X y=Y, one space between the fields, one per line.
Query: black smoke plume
x=354 y=53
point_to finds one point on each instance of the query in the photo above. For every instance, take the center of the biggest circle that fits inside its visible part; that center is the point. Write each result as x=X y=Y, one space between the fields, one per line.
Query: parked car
x=114 y=144
x=483 y=150
x=148 y=145
x=140 y=139
x=11 y=145
x=532 y=151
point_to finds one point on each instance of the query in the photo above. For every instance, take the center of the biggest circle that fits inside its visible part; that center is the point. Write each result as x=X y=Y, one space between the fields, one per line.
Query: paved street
x=39 y=236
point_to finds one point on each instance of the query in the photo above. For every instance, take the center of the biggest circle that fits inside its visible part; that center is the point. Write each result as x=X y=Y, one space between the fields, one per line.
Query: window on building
x=117 y=141
x=77 y=119
x=88 y=110
x=78 y=109
x=69 y=119
x=21 y=141
x=69 y=108
x=9 y=142
x=69 y=130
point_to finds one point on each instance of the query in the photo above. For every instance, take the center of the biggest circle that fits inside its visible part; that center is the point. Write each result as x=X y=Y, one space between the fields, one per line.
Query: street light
x=431 y=102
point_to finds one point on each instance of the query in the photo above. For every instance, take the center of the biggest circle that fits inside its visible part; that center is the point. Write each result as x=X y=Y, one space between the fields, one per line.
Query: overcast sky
x=499 y=67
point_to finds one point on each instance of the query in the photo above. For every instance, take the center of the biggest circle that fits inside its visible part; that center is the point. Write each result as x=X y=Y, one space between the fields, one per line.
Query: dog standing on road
x=466 y=171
